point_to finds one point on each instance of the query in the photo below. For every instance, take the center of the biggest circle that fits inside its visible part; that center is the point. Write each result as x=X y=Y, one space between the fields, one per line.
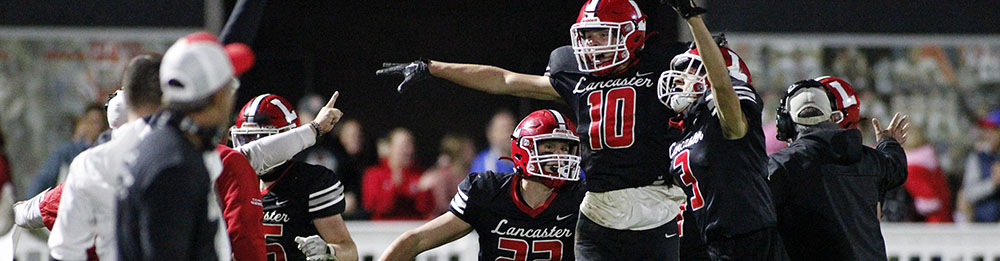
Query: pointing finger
x=878 y=127
x=333 y=100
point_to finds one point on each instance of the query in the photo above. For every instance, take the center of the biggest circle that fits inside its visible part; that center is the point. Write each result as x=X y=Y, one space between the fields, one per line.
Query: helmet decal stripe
x=254 y=106
x=559 y=119
x=636 y=6
x=290 y=116
x=591 y=7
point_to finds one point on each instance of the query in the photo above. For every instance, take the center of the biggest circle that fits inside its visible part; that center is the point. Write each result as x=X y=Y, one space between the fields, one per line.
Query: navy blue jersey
x=724 y=179
x=508 y=228
x=164 y=214
x=302 y=193
x=622 y=124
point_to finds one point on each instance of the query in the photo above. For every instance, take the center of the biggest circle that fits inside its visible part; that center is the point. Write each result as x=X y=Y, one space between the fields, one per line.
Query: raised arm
x=273 y=150
x=486 y=78
x=437 y=232
x=734 y=123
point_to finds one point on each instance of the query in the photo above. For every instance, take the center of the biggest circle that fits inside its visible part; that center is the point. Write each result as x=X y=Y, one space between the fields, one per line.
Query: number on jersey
x=687 y=177
x=612 y=118
x=520 y=249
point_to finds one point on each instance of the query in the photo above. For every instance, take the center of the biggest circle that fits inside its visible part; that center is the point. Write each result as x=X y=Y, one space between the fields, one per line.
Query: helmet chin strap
x=679 y=104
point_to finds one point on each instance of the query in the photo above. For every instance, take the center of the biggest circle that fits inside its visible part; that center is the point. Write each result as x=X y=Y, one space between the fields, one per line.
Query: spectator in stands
x=6 y=192
x=450 y=169
x=87 y=127
x=389 y=190
x=926 y=183
x=342 y=155
x=982 y=172
x=498 y=135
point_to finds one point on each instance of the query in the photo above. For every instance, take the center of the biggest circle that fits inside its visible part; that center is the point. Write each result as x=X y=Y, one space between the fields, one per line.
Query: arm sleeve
x=273 y=150
x=71 y=237
x=974 y=188
x=892 y=164
x=326 y=196
x=242 y=208
x=750 y=105
x=378 y=197
x=460 y=203
x=170 y=216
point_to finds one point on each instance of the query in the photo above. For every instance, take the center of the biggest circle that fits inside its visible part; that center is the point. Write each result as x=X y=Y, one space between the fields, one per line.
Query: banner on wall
x=49 y=75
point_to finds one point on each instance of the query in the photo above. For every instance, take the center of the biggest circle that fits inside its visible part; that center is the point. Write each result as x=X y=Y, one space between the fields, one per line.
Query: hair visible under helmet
x=626 y=28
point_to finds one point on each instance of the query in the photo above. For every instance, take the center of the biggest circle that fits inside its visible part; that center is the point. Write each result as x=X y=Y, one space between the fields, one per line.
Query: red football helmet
x=625 y=28
x=553 y=170
x=847 y=110
x=263 y=116
x=686 y=79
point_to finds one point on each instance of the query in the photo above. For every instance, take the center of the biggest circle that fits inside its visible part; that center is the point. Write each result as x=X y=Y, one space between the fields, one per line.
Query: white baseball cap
x=800 y=102
x=197 y=66
x=117 y=113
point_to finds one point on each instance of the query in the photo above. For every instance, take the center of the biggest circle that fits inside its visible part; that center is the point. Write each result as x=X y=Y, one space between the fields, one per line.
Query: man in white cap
x=169 y=210
x=826 y=184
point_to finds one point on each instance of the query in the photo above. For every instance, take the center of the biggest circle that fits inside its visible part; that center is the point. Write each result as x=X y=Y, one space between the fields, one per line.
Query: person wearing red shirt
x=241 y=205
x=389 y=190
x=926 y=182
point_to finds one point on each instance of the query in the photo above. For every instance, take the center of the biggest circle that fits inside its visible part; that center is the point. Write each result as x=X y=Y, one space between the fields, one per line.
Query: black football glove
x=412 y=72
x=720 y=39
x=686 y=8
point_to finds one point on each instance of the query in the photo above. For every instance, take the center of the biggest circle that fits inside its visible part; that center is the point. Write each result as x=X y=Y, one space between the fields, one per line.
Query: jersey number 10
x=612 y=118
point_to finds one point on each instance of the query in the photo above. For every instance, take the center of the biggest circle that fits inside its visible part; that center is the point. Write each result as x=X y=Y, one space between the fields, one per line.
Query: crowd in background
x=949 y=90
x=384 y=181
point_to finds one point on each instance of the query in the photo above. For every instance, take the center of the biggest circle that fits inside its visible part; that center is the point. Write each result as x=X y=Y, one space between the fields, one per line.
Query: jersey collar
x=533 y=212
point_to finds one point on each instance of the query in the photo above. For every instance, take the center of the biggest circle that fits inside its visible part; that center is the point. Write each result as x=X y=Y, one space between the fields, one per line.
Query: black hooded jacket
x=826 y=186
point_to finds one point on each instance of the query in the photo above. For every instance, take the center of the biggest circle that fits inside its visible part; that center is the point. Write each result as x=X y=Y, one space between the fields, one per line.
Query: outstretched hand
x=328 y=116
x=412 y=72
x=897 y=128
x=685 y=8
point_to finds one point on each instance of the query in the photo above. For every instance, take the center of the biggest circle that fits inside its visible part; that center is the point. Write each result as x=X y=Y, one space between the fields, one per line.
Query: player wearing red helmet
x=302 y=202
x=607 y=76
x=847 y=112
x=826 y=184
x=721 y=160
x=526 y=215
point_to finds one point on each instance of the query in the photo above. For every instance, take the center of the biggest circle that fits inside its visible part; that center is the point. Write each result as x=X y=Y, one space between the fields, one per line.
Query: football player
x=526 y=215
x=302 y=202
x=608 y=77
x=721 y=160
x=826 y=183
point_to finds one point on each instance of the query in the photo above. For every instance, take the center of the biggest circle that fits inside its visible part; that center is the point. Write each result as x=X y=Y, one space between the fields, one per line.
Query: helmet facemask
x=553 y=169
x=250 y=132
x=684 y=83
x=600 y=58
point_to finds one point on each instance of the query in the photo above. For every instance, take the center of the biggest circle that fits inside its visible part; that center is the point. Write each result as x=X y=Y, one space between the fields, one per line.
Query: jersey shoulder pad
x=562 y=60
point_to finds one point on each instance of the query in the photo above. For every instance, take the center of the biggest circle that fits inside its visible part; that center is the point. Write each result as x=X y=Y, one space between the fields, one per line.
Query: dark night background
x=325 y=46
